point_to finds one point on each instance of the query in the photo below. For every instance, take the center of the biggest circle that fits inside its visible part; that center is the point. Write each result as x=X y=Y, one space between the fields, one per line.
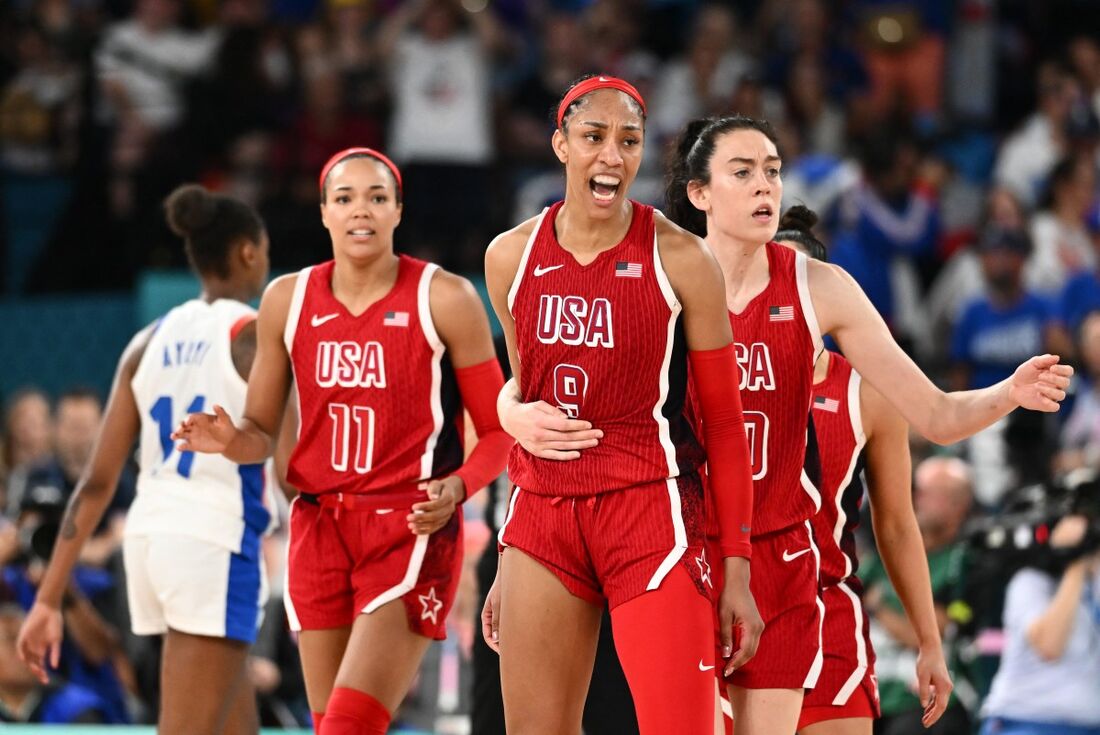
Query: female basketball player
x=728 y=186
x=859 y=431
x=384 y=352
x=725 y=184
x=601 y=300
x=192 y=546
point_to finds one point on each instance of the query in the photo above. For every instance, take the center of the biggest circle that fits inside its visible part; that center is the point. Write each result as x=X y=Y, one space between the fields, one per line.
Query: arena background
x=921 y=132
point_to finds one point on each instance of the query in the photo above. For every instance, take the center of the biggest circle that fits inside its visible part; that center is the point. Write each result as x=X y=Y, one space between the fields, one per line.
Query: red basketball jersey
x=840 y=442
x=378 y=402
x=777 y=339
x=603 y=342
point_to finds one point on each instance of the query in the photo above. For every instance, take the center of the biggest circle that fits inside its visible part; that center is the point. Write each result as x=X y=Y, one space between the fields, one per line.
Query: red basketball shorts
x=611 y=547
x=846 y=687
x=342 y=562
x=784 y=583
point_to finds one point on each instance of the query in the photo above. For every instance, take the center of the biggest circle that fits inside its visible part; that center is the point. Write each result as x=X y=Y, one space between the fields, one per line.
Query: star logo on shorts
x=704 y=568
x=431 y=604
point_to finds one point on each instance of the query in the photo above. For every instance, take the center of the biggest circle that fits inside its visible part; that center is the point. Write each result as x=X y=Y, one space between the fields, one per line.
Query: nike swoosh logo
x=540 y=271
x=704 y=668
x=317 y=321
x=788 y=556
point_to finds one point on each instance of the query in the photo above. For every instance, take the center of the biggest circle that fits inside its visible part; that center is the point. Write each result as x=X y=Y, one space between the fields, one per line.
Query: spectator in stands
x=1005 y=321
x=702 y=80
x=890 y=220
x=1028 y=155
x=142 y=64
x=818 y=121
x=52 y=481
x=1048 y=682
x=1084 y=55
x=942 y=500
x=27 y=432
x=441 y=131
x=1080 y=440
x=1063 y=244
x=23 y=699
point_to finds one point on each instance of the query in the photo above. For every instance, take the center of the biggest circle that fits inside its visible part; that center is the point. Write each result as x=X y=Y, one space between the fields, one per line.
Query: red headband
x=591 y=85
x=347 y=152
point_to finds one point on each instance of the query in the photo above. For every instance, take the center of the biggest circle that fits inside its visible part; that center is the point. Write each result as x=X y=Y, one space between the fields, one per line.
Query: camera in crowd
x=1019 y=535
x=40 y=518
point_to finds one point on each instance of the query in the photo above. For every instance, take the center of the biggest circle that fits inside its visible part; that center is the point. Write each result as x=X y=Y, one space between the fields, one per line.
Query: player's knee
x=352 y=712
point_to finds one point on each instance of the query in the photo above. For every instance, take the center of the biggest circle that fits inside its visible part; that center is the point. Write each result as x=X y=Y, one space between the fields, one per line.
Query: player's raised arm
x=252 y=438
x=845 y=312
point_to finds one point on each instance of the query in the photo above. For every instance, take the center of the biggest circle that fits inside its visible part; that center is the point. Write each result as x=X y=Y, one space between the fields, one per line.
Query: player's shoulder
x=509 y=245
x=135 y=349
x=450 y=290
x=683 y=255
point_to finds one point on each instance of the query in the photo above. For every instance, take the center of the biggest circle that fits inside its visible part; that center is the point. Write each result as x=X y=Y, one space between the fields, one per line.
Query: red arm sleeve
x=715 y=374
x=479 y=385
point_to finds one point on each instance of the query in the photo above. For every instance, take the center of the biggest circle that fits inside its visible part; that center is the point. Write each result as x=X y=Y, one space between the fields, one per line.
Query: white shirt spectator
x=441 y=101
x=677 y=99
x=1027 y=158
x=1059 y=252
x=152 y=68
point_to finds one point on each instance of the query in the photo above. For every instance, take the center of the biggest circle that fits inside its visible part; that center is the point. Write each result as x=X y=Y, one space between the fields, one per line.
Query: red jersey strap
x=728 y=465
x=479 y=386
x=240 y=324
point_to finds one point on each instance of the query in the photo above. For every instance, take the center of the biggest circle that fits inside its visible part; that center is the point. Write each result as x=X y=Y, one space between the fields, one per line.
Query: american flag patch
x=826 y=404
x=396 y=319
x=780 y=313
x=624 y=269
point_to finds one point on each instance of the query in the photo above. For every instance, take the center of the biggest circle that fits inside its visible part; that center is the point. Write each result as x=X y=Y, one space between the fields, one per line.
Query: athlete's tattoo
x=68 y=526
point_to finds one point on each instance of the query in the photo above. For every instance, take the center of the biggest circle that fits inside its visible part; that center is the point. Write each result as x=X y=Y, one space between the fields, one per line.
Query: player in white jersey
x=192 y=547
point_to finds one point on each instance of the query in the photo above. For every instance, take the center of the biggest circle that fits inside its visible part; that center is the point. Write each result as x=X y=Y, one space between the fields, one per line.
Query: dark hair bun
x=799 y=218
x=190 y=209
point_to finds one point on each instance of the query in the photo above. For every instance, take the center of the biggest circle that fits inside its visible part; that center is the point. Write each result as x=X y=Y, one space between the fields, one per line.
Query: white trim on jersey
x=810 y=488
x=854 y=680
x=508 y=518
x=861 y=440
x=819 y=659
x=294 y=313
x=288 y=601
x=679 y=534
x=412 y=571
x=675 y=308
x=803 y=282
x=424 y=312
x=523 y=261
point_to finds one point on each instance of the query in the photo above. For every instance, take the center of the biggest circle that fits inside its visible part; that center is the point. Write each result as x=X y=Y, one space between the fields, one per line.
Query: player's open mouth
x=763 y=213
x=604 y=187
x=361 y=233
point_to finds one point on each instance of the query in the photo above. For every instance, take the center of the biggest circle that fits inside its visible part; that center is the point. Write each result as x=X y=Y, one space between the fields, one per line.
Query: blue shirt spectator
x=1080 y=296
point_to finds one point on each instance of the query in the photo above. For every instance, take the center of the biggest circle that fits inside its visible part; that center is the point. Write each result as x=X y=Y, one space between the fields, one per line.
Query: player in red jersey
x=725 y=184
x=603 y=303
x=383 y=352
x=860 y=434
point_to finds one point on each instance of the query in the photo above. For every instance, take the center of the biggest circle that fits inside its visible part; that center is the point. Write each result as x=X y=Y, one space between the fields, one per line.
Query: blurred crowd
x=951 y=148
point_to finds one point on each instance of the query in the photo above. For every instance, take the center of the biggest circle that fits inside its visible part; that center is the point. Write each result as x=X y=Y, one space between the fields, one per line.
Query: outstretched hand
x=204 y=432
x=39 y=641
x=1040 y=383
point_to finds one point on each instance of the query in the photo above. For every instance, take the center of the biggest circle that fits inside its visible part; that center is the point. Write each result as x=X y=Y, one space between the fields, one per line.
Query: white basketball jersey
x=187 y=368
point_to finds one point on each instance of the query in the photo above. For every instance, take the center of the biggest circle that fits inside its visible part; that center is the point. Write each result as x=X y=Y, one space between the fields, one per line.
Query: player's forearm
x=479 y=385
x=85 y=510
x=250 y=445
x=507 y=400
x=960 y=414
x=903 y=556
